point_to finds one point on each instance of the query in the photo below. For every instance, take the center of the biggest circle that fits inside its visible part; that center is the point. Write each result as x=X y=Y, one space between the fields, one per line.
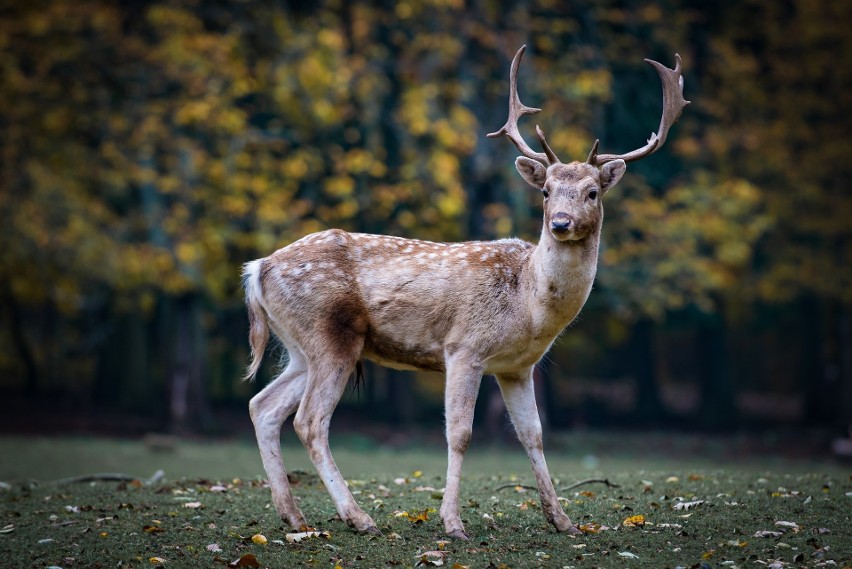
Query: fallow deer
x=334 y=298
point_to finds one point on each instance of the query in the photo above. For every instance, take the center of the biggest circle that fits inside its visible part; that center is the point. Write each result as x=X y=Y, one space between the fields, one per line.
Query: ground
x=211 y=508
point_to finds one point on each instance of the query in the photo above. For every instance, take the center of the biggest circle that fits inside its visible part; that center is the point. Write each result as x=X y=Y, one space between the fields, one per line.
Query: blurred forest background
x=149 y=148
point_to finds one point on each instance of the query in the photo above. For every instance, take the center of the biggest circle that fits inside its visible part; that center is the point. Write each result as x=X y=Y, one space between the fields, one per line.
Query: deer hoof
x=570 y=529
x=459 y=534
x=370 y=530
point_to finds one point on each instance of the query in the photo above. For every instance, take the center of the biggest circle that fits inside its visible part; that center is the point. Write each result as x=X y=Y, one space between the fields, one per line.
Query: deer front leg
x=519 y=395
x=269 y=409
x=462 y=387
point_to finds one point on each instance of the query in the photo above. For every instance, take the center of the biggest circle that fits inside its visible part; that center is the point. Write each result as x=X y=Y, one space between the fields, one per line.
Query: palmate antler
x=673 y=104
x=518 y=109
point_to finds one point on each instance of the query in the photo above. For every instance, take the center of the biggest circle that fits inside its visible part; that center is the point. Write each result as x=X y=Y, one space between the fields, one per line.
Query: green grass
x=109 y=524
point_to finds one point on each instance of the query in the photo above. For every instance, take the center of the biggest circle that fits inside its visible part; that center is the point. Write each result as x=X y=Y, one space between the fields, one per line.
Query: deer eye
x=593 y=194
x=545 y=193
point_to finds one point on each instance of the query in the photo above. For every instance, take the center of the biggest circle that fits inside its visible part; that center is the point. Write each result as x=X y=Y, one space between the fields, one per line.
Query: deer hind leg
x=519 y=395
x=462 y=387
x=327 y=379
x=269 y=409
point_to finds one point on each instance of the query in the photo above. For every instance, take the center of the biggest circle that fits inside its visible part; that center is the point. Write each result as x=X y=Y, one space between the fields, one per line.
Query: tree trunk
x=188 y=408
x=16 y=331
x=643 y=356
x=718 y=407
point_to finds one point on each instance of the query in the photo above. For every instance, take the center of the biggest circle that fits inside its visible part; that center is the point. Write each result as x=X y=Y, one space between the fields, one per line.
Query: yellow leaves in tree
x=339 y=186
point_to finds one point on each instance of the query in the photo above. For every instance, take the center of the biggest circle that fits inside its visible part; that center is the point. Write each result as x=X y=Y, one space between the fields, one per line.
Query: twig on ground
x=110 y=477
x=571 y=487
x=590 y=481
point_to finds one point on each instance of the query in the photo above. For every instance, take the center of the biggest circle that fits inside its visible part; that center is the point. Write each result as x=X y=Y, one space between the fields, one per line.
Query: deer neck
x=561 y=275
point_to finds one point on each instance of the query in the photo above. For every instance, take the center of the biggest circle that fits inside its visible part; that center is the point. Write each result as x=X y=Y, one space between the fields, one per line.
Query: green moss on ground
x=210 y=523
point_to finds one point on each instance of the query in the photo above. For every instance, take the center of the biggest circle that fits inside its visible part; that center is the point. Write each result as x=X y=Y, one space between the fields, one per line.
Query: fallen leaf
x=430 y=559
x=628 y=555
x=8 y=528
x=767 y=533
x=247 y=560
x=152 y=529
x=634 y=521
x=687 y=505
x=299 y=536
x=193 y=505
x=214 y=547
x=259 y=539
x=672 y=480
x=156 y=560
x=792 y=526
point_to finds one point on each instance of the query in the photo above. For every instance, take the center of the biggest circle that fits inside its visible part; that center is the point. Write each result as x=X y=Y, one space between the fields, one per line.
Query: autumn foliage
x=150 y=148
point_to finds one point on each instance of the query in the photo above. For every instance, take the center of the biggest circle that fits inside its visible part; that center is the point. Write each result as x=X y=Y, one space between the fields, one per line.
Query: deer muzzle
x=561 y=224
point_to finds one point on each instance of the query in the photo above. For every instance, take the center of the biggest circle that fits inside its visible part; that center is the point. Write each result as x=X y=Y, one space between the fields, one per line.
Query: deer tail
x=258 y=325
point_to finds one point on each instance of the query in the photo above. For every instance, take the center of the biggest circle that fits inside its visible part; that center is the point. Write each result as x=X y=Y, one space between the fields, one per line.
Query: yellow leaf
x=259 y=539
x=634 y=521
x=156 y=560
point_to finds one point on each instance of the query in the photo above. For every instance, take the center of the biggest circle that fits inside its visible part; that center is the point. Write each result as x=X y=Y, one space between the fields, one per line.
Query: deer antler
x=518 y=109
x=673 y=104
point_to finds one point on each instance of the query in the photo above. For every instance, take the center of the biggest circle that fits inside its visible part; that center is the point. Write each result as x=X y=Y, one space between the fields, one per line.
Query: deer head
x=572 y=192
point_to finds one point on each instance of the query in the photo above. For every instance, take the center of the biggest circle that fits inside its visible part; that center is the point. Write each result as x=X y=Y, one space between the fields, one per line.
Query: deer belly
x=399 y=352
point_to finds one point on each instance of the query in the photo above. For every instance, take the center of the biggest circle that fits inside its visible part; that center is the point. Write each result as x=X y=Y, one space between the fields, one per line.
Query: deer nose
x=561 y=223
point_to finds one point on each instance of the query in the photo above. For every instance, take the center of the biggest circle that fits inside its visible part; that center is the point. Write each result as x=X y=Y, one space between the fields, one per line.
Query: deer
x=335 y=298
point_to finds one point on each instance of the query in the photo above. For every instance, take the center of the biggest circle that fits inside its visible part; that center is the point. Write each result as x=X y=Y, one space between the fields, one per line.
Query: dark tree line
x=150 y=148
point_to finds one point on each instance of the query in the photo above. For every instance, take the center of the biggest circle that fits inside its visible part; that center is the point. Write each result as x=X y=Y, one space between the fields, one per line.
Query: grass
x=112 y=524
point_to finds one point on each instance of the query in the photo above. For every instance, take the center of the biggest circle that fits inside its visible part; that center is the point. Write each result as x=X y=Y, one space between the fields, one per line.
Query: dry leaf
x=247 y=560
x=152 y=529
x=791 y=526
x=687 y=505
x=299 y=536
x=156 y=560
x=193 y=505
x=430 y=559
x=767 y=533
x=214 y=547
x=628 y=555
x=634 y=521
x=259 y=539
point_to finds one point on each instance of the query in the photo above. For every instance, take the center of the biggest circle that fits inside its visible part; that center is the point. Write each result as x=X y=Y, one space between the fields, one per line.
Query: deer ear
x=532 y=171
x=611 y=173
